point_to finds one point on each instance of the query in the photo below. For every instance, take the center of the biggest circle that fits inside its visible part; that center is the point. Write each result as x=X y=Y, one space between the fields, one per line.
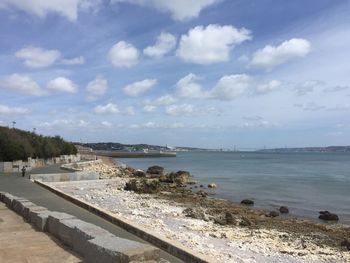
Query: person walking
x=23 y=171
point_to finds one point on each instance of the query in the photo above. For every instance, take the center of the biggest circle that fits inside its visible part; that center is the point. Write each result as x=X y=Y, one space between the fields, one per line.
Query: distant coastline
x=328 y=149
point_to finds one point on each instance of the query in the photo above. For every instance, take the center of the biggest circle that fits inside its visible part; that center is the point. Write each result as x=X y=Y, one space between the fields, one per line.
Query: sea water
x=304 y=182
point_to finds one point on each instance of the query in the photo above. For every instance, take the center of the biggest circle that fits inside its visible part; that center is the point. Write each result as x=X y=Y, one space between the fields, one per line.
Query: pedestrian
x=23 y=171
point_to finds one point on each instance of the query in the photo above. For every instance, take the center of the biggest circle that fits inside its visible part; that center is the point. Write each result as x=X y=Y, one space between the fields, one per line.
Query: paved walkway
x=17 y=185
x=21 y=243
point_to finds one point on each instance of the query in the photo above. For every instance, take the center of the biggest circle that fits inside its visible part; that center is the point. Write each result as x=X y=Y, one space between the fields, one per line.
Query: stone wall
x=64 y=177
x=16 y=166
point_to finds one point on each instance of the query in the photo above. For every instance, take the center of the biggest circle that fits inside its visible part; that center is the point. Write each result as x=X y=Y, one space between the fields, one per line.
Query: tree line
x=16 y=144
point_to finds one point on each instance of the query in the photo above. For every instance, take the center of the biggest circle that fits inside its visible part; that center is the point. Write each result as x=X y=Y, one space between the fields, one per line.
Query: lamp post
x=13 y=124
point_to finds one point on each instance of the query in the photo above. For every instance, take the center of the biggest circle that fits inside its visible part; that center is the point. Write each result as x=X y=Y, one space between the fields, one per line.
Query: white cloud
x=187 y=87
x=272 y=56
x=164 y=44
x=312 y=106
x=180 y=9
x=23 y=84
x=62 y=84
x=306 y=87
x=211 y=44
x=41 y=8
x=139 y=87
x=96 y=88
x=106 y=124
x=66 y=123
x=183 y=109
x=336 y=88
x=343 y=107
x=35 y=57
x=73 y=61
x=153 y=125
x=123 y=54
x=149 y=108
x=108 y=108
x=231 y=86
x=269 y=87
x=6 y=110
x=227 y=88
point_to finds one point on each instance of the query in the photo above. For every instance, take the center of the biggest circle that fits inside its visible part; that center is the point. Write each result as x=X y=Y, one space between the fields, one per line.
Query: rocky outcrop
x=272 y=214
x=144 y=186
x=328 y=216
x=139 y=173
x=247 y=202
x=155 y=170
x=179 y=178
x=196 y=213
x=345 y=243
x=284 y=210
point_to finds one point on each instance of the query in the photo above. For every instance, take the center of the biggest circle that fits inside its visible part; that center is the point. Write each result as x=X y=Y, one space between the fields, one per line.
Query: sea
x=304 y=182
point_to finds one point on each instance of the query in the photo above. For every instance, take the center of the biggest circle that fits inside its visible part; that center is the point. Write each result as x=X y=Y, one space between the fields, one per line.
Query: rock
x=328 y=216
x=202 y=193
x=155 y=170
x=196 y=213
x=284 y=210
x=273 y=214
x=201 y=186
x=220 y=219
x=139 y=173
x=247 y=202
x=245 y=222
x=143 y=186
x=212 y=185
x=345 y=243
x=180 y=178
x=230 y=219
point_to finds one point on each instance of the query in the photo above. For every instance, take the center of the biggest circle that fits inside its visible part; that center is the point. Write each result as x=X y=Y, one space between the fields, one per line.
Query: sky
x=203 y=73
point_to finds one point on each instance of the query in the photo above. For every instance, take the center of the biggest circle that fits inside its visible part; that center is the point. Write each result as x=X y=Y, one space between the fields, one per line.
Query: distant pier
x=117 y=154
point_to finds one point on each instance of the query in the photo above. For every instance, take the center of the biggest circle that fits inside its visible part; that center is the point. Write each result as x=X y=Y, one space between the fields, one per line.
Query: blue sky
x=205 y=73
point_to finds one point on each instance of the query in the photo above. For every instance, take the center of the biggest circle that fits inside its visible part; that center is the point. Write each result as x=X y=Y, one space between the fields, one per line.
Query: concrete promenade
x=23 y=187
x=21 y=243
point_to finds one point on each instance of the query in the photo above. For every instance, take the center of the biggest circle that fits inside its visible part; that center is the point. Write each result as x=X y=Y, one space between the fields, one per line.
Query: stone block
x=8 y=198
x=17 y=205
x=53 y=222
x=113 y=249
x=34 y=209
x=39 y=219
x=26 y=208
x=2 y=196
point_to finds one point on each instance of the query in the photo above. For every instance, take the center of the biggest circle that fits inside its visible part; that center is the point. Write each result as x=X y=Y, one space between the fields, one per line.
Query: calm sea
x=305 y=182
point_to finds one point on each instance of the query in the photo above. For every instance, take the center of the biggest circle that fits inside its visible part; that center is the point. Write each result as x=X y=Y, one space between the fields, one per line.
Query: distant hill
x=310 y=149
x=113 y=146
x=16 y=144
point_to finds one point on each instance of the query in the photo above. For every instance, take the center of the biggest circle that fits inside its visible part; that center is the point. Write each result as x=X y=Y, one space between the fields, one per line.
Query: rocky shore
x=174 y=205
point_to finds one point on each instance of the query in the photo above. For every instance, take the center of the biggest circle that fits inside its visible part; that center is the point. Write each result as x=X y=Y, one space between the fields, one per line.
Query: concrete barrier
x=93 y=243
x=63 y=177
x=109 y=249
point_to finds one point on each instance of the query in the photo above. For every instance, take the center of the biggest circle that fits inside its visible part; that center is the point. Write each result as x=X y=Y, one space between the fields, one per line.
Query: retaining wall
x=63 y=177
x=93 y=243
x=16 y=166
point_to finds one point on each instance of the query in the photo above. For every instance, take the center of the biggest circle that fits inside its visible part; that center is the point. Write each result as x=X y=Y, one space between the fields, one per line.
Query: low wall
x=78 y=166
x=63 y=177
x=91 y=242
x=16 y=166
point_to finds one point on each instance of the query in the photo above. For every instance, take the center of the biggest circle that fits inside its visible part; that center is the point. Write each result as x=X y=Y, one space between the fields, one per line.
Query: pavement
x=15 y=184
x=21 y=243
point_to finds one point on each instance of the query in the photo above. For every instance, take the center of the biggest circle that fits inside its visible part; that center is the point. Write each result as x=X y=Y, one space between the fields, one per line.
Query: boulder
x=201 y=193
x=139 y=173
x=201 y=186
x=284 y=210
x=245 y=222
x=230 y=219
x=196 y=213
x=180 y=177
x=247 y=202
x=212 y=185
x=155 y=170
x=328 y=216
x=273 y=214
x=143 y=186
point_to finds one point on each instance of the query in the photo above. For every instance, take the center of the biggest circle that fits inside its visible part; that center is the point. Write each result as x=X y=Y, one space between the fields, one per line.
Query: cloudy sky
x=206 y=73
